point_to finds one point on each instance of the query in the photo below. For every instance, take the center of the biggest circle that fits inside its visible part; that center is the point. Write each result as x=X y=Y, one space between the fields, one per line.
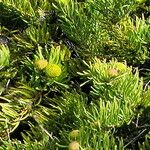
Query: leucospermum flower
x=41 y=64
x=112 y=72
x=74 y=134
x=74 y=145
x=53 y=70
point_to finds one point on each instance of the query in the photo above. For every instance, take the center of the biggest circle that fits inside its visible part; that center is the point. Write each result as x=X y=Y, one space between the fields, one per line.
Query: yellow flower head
x=53 y=70
x=74 y=145
x=41 y=64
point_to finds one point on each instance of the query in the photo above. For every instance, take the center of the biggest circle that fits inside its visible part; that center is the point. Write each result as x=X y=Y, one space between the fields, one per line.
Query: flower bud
x=53 y=70
x=41 y=64
x=74 y=134
x=74 y=145
x=112 y=72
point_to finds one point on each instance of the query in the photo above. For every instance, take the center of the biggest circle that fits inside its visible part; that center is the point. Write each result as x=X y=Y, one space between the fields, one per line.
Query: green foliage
x=145 y=145
x=137 y=32
x=106 y=29
x=33 y=35
x=4 y=56
x=46 y=141
x=65 y=79
x=29 y=11
x=73 y=109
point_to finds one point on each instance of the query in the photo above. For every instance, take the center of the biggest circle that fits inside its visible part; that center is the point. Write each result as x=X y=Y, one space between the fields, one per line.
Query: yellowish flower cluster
x=52 y=70
x=119 y=67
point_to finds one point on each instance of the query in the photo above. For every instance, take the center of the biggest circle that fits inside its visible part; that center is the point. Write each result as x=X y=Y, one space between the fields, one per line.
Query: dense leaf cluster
x=74 y=74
